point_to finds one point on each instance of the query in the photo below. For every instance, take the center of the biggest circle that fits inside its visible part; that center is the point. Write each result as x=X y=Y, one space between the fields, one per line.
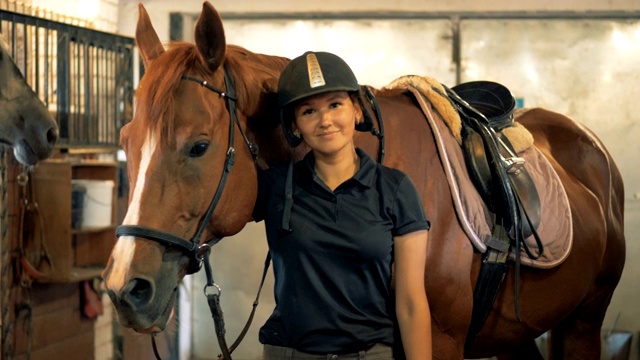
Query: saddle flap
x=483 y=178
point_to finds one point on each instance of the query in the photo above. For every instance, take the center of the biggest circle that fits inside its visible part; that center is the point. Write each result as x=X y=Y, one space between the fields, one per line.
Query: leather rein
x=199 y=253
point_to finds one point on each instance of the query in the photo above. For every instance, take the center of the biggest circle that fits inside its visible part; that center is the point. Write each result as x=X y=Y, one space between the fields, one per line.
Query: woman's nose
x=325 y=118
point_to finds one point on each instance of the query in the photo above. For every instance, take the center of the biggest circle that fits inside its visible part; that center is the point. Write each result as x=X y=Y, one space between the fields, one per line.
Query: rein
x=199 y=253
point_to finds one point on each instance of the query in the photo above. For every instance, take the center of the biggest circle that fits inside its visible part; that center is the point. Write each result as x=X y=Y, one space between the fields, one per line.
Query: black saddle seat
x=491 y=99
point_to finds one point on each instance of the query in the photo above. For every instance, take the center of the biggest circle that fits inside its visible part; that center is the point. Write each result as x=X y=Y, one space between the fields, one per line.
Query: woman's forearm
x=414 y=320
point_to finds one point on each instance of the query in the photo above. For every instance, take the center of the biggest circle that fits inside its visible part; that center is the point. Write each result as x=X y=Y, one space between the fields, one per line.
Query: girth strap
x=492 y=273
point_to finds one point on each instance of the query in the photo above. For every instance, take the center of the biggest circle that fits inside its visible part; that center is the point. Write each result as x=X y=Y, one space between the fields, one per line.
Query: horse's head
x=189 y=163
x=25 y=123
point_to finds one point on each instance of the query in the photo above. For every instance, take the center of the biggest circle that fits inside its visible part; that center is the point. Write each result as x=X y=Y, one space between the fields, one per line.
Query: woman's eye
x=198 y=149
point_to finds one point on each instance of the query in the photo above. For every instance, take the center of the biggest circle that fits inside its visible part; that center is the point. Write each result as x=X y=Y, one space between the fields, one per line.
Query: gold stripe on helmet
x=315 y=72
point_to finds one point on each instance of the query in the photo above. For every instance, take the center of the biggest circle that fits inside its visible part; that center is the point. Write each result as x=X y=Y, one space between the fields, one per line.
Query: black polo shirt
x=333 y=270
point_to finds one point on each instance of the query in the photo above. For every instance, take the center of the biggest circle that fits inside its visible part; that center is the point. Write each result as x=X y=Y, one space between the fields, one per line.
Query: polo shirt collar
x=364 y=176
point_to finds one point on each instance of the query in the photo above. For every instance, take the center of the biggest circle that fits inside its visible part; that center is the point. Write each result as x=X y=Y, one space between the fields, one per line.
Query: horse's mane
x=156 y=93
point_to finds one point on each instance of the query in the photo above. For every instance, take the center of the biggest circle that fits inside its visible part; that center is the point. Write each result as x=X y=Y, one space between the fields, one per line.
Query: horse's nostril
x=138 y=292
x=52 y=135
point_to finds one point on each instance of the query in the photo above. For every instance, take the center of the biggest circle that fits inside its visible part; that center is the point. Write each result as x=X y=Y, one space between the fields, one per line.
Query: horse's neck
x=273 y=148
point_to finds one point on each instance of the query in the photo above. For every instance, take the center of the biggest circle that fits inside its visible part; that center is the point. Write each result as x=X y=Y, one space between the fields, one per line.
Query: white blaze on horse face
x=124 y=249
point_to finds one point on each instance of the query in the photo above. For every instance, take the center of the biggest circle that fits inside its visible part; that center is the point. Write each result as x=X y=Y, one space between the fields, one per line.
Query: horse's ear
x=209 y=37
x=148 y=41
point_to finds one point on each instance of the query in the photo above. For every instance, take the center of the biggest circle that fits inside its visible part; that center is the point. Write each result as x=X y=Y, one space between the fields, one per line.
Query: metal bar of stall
x=46 y=66
x=77 y=85
x=36 y=59
x=89 y=131
x=63 y=97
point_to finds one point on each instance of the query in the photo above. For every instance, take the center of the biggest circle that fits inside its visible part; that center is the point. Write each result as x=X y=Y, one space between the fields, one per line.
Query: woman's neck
x=334 y=170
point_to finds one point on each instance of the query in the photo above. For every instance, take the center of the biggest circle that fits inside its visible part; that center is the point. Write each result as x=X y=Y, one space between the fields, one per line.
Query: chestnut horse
x=189 y=181
x=25 y=123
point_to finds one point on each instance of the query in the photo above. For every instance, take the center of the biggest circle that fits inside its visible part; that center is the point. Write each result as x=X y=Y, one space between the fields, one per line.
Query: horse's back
x=574 y=149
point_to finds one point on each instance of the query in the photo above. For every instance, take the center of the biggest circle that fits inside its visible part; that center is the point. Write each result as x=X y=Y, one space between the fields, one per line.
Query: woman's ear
x=363 y=121
x=357 y=110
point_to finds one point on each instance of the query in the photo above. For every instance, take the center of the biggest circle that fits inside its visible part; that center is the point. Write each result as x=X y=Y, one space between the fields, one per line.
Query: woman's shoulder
x=374 y=167
x=397 y=182
x=391 y=174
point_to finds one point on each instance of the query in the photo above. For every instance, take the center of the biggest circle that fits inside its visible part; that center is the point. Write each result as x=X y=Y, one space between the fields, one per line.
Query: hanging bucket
x=96 y=209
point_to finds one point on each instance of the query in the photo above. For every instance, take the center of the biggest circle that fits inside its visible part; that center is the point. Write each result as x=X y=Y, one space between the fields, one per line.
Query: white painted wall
x=610 y=107
x=97 y=14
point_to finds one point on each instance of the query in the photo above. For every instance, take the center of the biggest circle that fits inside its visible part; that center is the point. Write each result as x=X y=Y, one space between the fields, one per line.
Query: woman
x=337 y=222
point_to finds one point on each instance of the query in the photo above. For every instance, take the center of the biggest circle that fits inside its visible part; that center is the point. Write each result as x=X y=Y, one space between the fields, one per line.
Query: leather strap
x=31 y=235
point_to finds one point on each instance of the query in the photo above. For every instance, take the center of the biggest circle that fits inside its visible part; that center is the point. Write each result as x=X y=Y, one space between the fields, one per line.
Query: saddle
x=492 y=104
x=504 y=184
x=480 y=154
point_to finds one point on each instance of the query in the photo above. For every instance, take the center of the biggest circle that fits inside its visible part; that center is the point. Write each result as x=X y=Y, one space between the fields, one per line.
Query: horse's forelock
x=156 y=94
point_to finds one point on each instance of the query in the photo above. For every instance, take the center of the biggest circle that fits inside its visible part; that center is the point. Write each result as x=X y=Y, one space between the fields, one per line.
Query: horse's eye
x=198 y=149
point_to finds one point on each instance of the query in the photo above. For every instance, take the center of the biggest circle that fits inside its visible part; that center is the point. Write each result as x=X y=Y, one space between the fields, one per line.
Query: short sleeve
x=408 y=210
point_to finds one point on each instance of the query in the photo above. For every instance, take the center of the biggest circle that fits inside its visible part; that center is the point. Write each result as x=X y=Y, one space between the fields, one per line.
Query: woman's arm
x=412 y=306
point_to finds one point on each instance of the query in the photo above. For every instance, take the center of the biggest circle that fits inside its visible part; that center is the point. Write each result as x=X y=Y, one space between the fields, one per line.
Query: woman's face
x=327 y=121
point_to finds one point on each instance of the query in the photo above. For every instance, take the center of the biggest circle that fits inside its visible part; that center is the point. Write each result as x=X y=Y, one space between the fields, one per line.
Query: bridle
x=199 y=253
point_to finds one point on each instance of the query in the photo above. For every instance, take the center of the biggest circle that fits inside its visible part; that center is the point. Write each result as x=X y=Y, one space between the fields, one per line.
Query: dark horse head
x=25 y=123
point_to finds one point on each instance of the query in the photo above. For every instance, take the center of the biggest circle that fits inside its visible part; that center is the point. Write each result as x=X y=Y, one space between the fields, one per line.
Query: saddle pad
x=555 y=229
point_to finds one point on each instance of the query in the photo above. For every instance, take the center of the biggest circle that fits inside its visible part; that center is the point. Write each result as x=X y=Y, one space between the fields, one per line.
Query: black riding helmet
x=310 y=74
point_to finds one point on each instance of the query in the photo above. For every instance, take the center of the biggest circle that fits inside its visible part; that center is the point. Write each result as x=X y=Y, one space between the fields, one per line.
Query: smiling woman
x=25 y=123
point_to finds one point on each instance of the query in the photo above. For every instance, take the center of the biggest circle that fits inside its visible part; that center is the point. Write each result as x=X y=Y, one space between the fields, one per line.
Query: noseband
x=192 y=248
